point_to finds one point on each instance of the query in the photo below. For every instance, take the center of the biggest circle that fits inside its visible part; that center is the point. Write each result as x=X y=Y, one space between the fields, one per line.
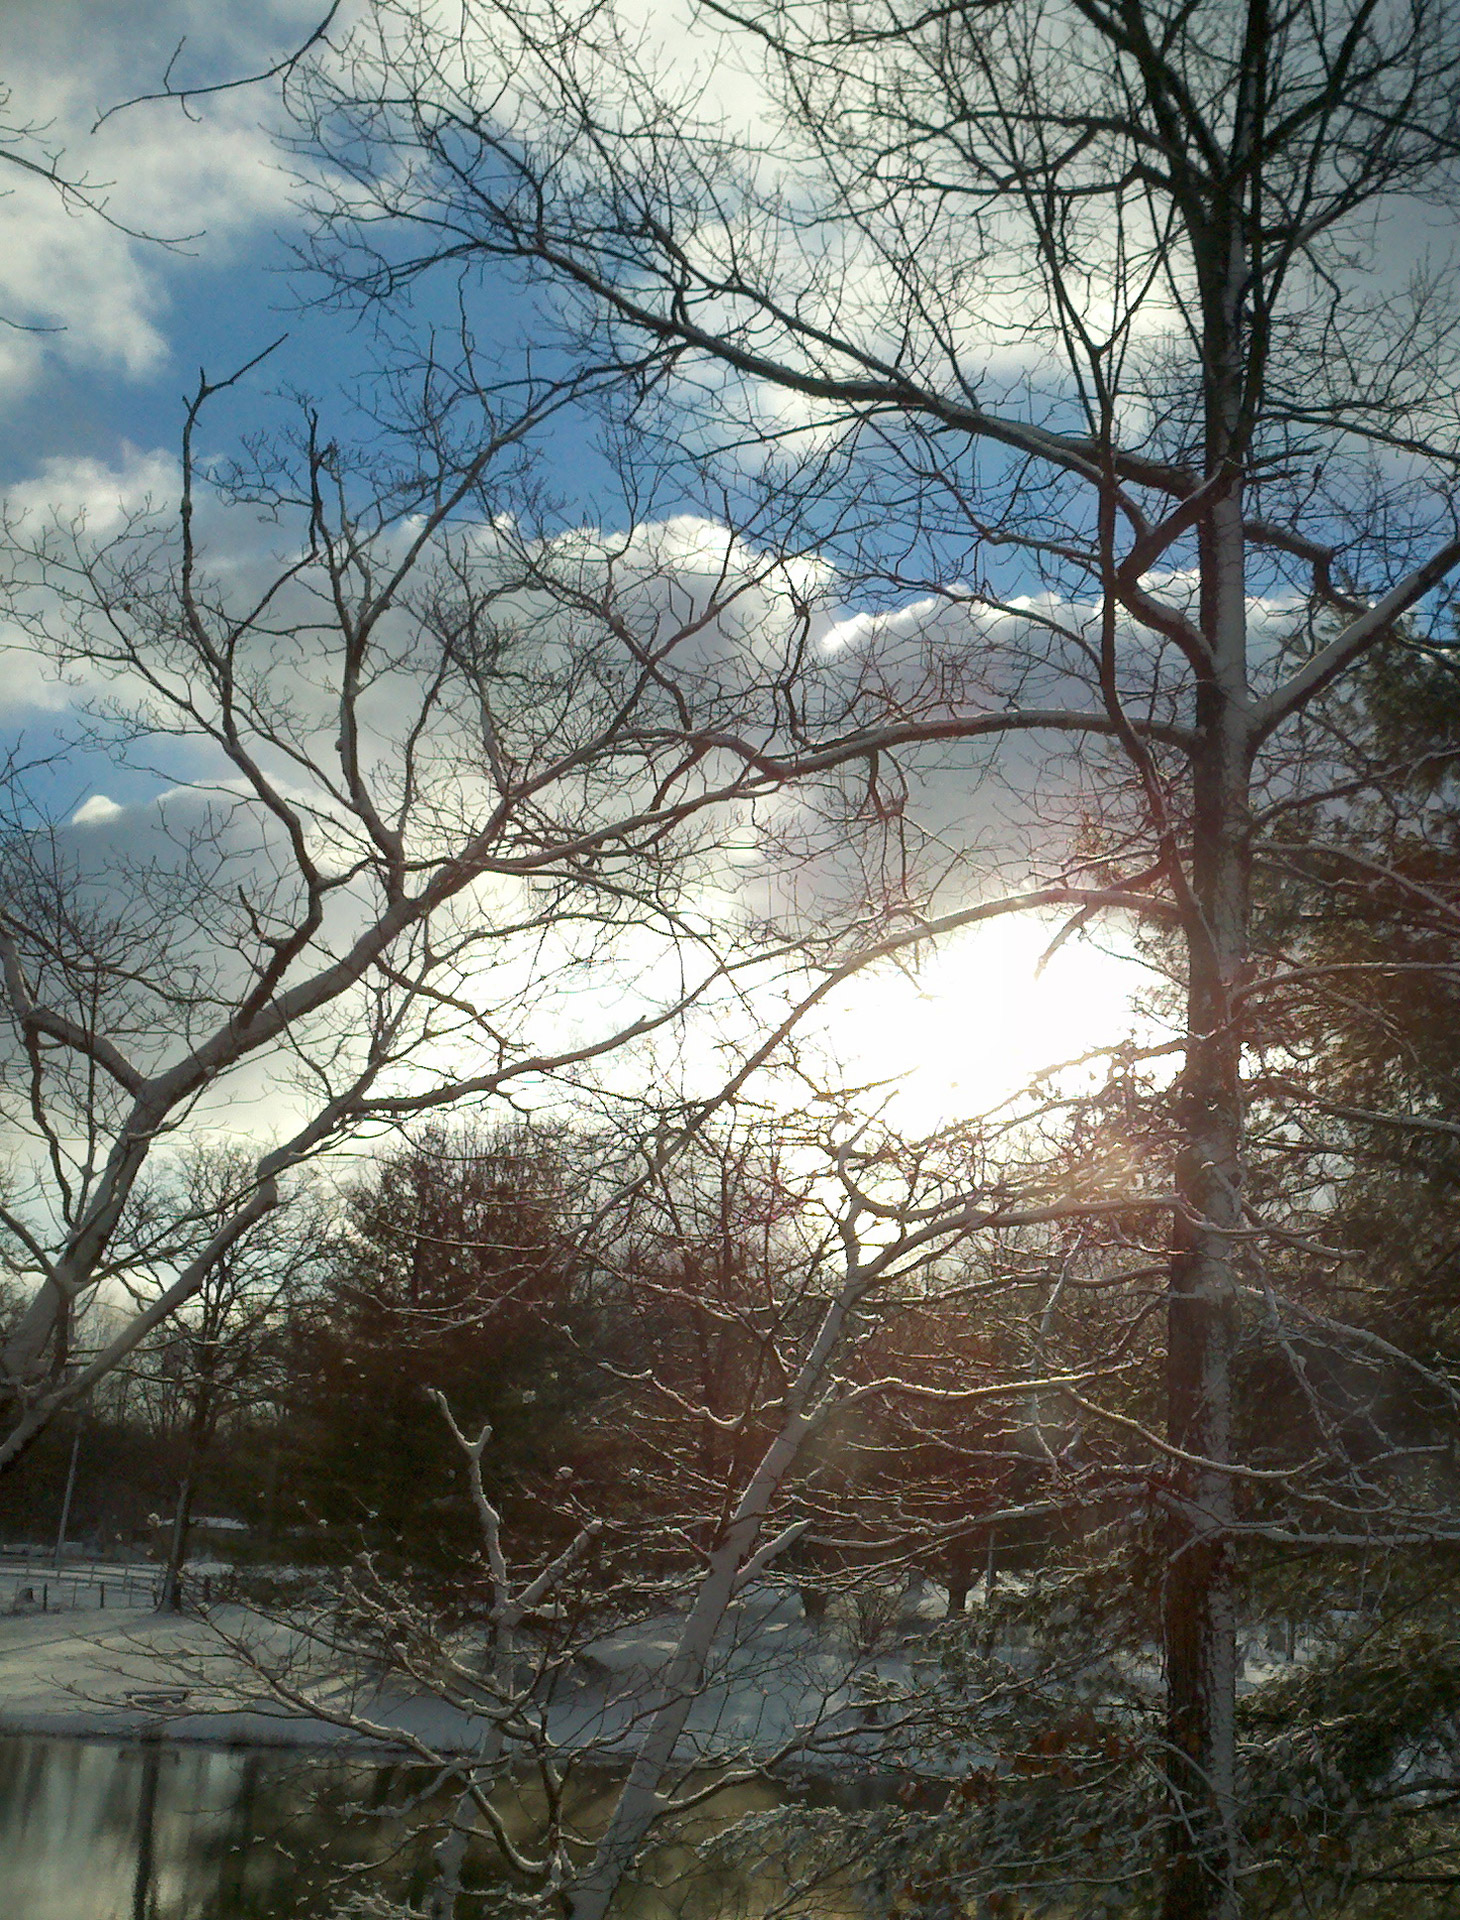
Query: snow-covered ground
x=31 y=1582
x=777 y=1684
x=129 y=1671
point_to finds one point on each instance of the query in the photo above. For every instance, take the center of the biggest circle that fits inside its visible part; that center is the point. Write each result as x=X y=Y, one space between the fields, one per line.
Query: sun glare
x=979 y=1019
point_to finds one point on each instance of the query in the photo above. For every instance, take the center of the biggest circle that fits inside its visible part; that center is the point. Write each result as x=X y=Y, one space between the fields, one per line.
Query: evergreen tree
x=453 y=1271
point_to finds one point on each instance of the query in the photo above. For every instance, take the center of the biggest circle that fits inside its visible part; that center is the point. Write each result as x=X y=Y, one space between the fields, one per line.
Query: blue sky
x=104 y=333
x=126 y=323
x=91 y=403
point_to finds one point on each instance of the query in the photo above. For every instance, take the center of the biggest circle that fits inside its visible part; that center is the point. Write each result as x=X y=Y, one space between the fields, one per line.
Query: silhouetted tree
x=453 y=1269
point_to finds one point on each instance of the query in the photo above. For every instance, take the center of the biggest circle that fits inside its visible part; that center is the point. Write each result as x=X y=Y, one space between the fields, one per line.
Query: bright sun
x=977 y=1021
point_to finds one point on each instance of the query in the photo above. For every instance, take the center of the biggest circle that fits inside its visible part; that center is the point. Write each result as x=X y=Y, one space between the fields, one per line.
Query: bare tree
x=427 y=834
x=30 y=152
x=220 y=1355
x=732 y=1386
x=1087 y=307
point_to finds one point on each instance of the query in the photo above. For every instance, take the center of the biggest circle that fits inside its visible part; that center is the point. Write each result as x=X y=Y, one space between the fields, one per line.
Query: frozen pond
x=113 y=1830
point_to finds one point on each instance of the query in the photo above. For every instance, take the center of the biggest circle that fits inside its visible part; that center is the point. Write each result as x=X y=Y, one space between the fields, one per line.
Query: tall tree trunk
x=1199 y=1624
x=177 y=1548
x=199 y=1434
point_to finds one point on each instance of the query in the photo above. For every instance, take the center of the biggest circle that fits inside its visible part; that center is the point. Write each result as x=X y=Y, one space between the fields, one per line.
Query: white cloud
x=29 y=684
x=101 y=497
x=102 y=494
x=96 y=294
x=98 y=810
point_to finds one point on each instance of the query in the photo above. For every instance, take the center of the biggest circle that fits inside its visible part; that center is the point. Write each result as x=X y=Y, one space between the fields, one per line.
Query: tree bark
x=1198 y=1617
x=177 y=1548
x=199 y=1434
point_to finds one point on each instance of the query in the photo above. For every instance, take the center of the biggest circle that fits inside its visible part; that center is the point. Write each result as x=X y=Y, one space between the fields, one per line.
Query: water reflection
x=148 y=1832
x=143 y=1905
x=109 y=1831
